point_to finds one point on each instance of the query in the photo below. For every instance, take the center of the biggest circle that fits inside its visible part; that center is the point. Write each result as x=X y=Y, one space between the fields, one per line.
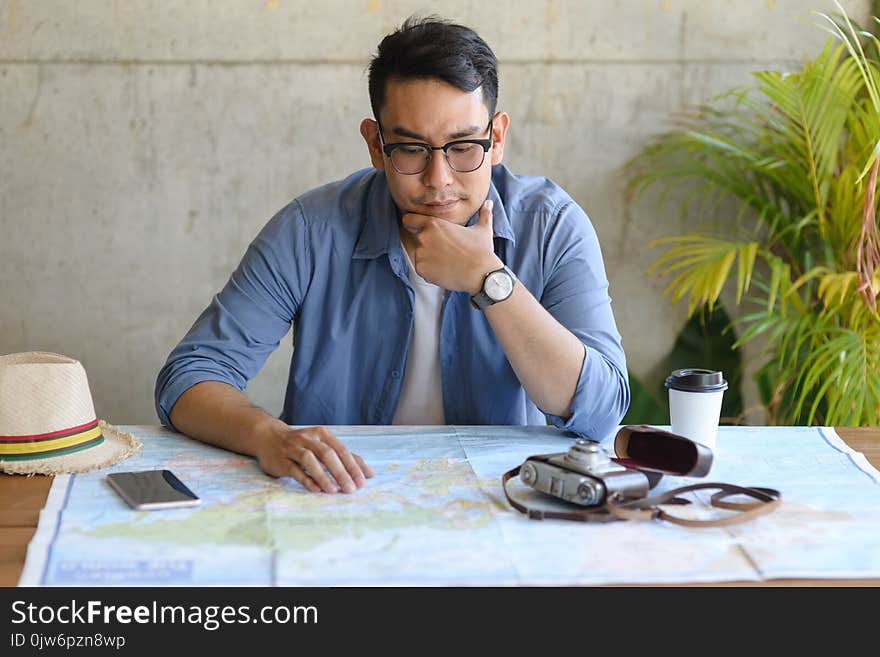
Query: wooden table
x=21 y=499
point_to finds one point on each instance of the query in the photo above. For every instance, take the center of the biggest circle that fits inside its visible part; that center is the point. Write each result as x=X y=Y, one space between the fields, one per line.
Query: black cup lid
x=696 y=380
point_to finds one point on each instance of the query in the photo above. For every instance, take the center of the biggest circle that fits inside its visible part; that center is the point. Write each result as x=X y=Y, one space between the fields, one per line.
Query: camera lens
x=528 y=474
x=586 y=452
x=589 y=492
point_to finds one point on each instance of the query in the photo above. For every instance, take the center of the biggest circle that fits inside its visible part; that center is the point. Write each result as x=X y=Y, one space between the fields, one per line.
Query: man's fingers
x=367 y=470
x=299 y=474
x=348 y=460
x=485 y=216
x=328 y=458
x=319 y=461
x=307 y=460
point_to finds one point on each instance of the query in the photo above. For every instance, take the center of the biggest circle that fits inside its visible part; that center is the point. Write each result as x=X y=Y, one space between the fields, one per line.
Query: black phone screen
x=152 y=489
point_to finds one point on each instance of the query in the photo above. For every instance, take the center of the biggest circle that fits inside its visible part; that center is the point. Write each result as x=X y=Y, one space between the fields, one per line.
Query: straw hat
x=47 y=420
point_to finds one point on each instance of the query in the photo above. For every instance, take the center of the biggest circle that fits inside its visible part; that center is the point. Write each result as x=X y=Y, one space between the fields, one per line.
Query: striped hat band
x=53 y=443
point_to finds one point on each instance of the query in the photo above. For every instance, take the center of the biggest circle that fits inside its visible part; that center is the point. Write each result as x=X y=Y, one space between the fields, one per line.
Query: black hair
x=433 y=47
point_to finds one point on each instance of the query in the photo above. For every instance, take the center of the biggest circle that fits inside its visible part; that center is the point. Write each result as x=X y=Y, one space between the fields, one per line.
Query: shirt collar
x=379 y=234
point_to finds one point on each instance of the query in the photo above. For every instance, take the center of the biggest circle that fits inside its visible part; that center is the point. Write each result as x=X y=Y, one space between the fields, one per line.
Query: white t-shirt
x=421 y=399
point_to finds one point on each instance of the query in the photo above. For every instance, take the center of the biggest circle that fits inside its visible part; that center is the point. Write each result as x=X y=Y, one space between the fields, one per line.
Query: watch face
x=498 y=286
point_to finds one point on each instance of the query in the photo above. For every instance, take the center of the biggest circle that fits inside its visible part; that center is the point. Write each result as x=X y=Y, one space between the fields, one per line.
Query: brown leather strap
x=740 y=506
x=767 y=499
x=648 y=508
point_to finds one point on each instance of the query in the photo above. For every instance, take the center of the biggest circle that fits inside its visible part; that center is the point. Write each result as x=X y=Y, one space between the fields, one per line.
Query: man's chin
x=461 y=221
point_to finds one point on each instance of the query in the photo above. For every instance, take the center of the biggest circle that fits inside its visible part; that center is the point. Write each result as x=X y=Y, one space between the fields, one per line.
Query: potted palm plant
x=782 y=178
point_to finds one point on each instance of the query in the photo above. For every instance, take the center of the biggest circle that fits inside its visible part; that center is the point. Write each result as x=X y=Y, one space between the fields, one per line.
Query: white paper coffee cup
x=695 y=397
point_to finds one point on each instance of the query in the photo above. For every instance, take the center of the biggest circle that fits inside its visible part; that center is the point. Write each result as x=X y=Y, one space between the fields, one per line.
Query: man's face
x=433 y=112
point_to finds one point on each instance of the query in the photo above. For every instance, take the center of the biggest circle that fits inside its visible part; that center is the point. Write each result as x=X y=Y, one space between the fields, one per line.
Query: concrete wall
x=143 y=144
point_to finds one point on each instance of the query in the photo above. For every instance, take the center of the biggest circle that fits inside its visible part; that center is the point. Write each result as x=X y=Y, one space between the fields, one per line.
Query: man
x=434 y=288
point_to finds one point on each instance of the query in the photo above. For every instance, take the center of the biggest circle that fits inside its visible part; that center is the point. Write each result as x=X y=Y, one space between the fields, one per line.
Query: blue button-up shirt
x=331 y=264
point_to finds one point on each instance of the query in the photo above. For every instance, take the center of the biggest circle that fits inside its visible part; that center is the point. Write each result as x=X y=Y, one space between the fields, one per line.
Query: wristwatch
x=497 y=286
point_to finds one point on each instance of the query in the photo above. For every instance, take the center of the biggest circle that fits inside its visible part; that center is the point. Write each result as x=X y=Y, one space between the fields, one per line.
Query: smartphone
x=152 y=489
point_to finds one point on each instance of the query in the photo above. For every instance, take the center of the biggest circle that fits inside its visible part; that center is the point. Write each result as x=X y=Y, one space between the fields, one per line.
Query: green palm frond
x=807 y=112
x=703 y=263
x=839 y=293
x=868 y=70
x=775 y=177
x=835 y=288
x=842 y=372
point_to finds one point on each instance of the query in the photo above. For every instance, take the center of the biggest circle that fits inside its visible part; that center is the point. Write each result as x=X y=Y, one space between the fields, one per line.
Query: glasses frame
x=388 y=149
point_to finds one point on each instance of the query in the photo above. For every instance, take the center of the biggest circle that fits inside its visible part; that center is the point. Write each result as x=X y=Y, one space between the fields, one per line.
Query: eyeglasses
x=462 y=155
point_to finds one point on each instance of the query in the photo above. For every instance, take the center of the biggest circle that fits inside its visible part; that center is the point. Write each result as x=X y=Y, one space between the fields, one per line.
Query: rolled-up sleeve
x=232 y=338
x=576 y=295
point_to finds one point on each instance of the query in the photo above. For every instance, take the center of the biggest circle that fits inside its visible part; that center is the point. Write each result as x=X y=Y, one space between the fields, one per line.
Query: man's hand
x=307 y=455
x=451 y=256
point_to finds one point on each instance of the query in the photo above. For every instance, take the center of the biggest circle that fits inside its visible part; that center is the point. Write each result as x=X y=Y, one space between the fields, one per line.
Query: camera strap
x=648 y=508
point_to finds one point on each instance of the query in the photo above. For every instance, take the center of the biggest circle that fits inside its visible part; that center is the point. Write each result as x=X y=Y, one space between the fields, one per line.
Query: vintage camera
x=616 y=487
x=586 y=474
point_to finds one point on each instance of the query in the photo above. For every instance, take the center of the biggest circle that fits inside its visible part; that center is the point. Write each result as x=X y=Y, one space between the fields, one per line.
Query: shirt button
x=395 y=374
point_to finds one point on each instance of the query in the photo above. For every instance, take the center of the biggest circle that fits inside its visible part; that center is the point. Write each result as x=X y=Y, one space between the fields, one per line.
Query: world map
x=435 y=514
